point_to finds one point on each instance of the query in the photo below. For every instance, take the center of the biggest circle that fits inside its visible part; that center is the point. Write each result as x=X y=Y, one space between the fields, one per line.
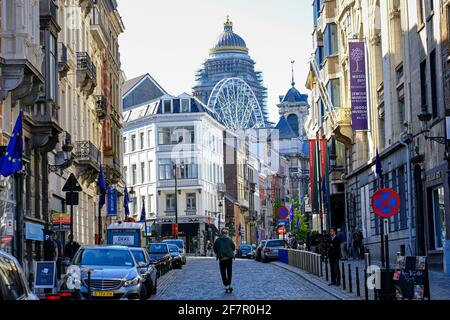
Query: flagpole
x=319 y=174
x=18 y=177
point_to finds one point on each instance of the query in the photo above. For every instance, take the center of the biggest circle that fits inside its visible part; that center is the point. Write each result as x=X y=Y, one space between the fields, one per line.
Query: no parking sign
x=386 y=203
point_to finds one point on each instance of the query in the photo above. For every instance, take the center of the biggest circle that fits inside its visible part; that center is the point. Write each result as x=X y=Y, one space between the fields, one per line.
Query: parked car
x=114 y=273
x=160 y=256
x=244 y=251
x=270 y=250
x=259 y=249
x=13 y=285
x=253 y=253
x=177 y=261
x=146 y=269
x=180 y=244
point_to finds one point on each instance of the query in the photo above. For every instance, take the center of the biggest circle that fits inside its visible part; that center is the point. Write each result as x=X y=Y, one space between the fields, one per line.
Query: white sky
x=170 y=39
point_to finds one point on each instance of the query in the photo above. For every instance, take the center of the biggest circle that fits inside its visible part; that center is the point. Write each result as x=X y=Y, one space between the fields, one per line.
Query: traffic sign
x=386 y=203
x=283 y=212
x=72 y=185
x=282 y=230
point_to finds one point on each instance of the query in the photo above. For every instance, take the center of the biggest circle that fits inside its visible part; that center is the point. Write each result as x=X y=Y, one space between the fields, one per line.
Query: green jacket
x=224 y=247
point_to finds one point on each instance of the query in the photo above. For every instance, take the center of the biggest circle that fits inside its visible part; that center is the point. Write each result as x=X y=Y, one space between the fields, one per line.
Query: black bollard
x=366 y=290
x=343 y=275
x=350 y=284
x=358 y=290
x=89 y=285
x=321 y=267
x=326 y=268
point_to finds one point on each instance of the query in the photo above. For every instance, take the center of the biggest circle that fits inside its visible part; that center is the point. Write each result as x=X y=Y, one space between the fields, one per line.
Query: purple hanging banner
x=358 y=86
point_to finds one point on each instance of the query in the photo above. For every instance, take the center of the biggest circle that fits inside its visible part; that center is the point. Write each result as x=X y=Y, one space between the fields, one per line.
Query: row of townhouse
x=60 y=65
x=379 y=82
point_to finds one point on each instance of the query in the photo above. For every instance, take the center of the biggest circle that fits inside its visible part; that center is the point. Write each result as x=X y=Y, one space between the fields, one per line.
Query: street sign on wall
x=386 y=203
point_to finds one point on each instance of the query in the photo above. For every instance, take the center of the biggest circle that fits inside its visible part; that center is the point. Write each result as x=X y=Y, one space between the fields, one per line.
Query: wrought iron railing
x=101 y=106
x=87 y=151
x=84 y=63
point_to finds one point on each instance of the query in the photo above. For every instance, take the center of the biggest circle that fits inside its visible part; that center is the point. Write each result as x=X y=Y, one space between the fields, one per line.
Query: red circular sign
x=282 y=230
x=386 y=203
x=283 y=212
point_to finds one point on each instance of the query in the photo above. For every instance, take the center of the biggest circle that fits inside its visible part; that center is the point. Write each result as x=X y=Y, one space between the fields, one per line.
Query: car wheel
x=143 y=294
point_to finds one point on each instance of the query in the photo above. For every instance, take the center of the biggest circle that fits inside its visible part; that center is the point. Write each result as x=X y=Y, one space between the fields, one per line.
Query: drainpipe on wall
x=404 y=139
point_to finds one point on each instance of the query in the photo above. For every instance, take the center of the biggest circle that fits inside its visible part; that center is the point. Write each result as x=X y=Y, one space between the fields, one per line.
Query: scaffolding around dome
x=229 y=58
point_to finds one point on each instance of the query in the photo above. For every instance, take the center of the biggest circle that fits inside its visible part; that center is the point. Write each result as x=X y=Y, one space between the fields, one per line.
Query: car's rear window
x=178 y=243
x=246 y=247
x=158 y=248
x=173 y=248
x=276 y=243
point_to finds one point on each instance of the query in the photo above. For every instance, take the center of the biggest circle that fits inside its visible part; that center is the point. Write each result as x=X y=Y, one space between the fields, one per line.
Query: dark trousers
x=335 y=272
x=226 y=271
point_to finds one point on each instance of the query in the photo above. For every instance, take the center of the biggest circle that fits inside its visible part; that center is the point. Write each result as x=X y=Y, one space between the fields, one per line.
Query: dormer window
x=185 y=104
x=167 y=106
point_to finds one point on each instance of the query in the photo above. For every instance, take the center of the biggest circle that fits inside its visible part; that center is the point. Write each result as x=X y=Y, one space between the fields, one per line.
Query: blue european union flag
x=291 y=212
x=101 y=187
x=143 y=215
x=11 y=161
x=126 y=201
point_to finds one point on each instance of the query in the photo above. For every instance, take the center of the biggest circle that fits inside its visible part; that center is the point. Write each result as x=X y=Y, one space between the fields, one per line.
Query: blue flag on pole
x=101 y=187
x=257 y=234
x=298 y=224
x=126 y=201
x=11 y=161
x=143 y=215
x=291 y=212
x=378 y=168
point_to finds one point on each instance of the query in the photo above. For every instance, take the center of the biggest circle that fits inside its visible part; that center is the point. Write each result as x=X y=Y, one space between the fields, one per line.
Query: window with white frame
x=170 y=202
x=150 y=203
x=141 y=140
x=133 y=142
x=165 y=167
x=125 y=174
x=150 y=163
x=133 y=174
x=191 y=201
x=167 y=106
x=185 y=105
x=142 y=172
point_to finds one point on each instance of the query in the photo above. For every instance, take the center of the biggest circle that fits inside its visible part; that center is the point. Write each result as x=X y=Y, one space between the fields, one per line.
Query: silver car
x=114 y=273
x=13 y=285
x=180 y=244
x=270 y=250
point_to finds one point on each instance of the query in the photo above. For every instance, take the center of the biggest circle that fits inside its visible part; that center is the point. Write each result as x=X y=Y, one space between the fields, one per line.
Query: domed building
x=229 y=58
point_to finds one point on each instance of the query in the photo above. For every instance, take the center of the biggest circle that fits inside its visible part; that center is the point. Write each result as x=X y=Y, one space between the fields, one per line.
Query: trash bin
x=387 y=291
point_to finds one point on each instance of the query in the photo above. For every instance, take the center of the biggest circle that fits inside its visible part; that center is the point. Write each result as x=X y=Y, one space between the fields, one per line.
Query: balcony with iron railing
x=101 y=107
x=98 y=28
x=181 y=183
x=86 y=72
x=87 y=154
x=113 y=169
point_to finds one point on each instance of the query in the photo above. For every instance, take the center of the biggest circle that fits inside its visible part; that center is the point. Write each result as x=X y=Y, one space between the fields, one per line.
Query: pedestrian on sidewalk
x=71 y=248
x=224 y=249
x=342 y=239
x=209 y=248
x=334 y=254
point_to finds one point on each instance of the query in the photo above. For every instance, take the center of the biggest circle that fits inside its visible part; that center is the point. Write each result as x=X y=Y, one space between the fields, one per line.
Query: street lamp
x=176 y=197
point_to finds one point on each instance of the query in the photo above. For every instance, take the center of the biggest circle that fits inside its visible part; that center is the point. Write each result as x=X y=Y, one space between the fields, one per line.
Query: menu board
x=411 y=278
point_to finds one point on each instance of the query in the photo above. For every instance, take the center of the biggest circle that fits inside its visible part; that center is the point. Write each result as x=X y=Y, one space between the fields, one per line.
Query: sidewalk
x=439 y=281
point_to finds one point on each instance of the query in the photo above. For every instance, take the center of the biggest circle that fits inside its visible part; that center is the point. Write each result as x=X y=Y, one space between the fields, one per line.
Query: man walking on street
x=334 y=254
x=224 y=249
x=71 y=248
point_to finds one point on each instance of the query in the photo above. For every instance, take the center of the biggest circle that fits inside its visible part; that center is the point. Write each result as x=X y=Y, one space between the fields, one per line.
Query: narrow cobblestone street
x=200 y=280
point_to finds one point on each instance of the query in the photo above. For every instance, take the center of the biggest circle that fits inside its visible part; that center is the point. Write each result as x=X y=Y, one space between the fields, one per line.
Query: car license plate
x=103 y=294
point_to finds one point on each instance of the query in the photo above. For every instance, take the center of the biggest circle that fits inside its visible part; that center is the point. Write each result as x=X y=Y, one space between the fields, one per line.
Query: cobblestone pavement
x=200 y=280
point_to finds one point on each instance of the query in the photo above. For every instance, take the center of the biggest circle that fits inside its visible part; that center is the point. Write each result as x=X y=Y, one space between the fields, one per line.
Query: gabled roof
x=294 y=96
x=140 y=90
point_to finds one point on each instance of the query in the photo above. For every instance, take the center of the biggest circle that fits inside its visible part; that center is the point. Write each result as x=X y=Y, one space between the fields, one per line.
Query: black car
x=259 y=249
x=147 y=270
x=160 y=256
x=177 y=260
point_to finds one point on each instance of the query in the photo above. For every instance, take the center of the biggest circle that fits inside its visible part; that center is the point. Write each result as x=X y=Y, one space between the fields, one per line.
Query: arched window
x=292 y=119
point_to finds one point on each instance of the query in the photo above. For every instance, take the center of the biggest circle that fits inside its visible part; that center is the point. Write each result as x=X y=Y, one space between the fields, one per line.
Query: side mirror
x=142 y=265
